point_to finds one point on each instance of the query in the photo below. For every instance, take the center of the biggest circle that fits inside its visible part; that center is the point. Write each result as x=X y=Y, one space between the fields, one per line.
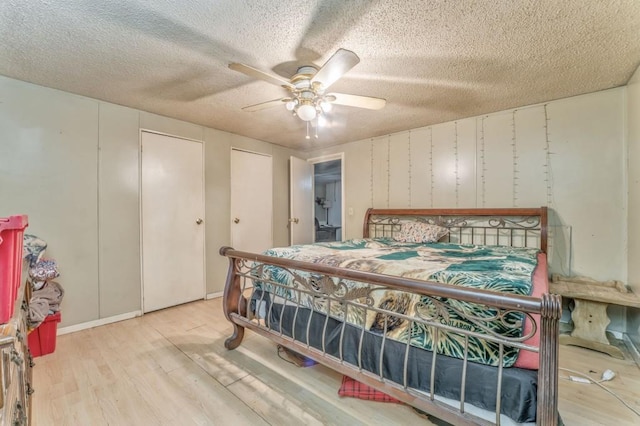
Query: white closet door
x=251 y=201
x=172 y=221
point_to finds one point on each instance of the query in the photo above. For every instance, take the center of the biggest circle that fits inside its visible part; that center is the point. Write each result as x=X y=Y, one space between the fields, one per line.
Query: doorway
x=327 y=184
x=172 y=220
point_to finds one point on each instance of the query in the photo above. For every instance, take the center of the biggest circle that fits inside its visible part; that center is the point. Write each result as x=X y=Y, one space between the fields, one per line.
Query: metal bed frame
x=511 y=227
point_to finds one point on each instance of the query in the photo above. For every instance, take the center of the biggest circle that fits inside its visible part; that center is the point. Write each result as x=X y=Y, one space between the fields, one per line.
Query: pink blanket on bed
x=528 y=359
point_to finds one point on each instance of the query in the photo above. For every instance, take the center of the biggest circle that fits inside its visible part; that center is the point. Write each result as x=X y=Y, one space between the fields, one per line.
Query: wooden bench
x=590 y=319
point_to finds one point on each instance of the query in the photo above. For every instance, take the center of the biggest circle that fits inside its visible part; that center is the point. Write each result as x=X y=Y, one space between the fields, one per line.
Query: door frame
x=333 y=157
x=204 y=212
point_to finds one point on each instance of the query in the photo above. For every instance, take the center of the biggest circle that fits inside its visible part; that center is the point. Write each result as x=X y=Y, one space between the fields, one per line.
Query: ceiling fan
x=307 y=98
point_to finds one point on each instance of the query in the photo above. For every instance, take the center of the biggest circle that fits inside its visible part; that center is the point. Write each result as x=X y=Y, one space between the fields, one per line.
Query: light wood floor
x=170 y=368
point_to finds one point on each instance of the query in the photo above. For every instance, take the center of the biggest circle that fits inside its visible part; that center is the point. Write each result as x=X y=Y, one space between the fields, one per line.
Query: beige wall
x=72 y=164
x=633 y=141
x=567 y=154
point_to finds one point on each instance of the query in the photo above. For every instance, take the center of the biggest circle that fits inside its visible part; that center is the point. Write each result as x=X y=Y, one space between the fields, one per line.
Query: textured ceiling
x=433 y=61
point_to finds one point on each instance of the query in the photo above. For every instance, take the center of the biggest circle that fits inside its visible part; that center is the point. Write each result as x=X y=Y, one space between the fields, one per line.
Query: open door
x=301 y=219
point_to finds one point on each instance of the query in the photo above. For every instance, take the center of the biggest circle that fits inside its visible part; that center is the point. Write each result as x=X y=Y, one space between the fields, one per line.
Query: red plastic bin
x=42 y=340
x=11 y=241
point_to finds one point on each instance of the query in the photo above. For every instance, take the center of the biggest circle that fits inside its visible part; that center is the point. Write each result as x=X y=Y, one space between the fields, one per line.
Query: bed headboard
x=518 y=227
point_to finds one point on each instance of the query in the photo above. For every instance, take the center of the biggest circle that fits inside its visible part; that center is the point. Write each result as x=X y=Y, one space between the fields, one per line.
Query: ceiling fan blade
x=265 y=105
x=356 y=101
x=256 y=73
x=337 y=65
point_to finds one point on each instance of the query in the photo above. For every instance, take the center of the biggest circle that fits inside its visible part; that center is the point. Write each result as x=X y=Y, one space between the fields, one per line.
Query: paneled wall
x=48 y=170
x=567 y=154
x=72 y=164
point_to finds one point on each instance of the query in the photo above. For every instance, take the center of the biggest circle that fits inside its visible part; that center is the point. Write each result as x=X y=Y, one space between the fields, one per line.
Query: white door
x=251 y=201
x=172 y=221
x=301 y=218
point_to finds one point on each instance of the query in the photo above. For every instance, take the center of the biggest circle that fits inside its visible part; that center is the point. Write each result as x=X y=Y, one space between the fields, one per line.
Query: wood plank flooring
x=170 y=368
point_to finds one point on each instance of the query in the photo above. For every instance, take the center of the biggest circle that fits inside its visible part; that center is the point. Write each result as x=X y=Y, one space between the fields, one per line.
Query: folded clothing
x=44 y=270
x=38 y=311
x=44 y=301
x=33 y=248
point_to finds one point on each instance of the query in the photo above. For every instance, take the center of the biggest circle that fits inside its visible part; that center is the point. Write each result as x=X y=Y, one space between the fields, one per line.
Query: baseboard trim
x=115 y=318
x=214 y=295
x=98 y=322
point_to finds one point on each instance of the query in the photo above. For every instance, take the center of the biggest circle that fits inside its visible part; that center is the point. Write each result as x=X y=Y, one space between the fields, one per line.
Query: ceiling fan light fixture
x=306 y=112
x=291 y=104
x=307 y=99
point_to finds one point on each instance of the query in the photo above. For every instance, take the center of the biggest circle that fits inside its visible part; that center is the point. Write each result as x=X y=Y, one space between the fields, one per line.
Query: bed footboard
x=235 y=302
x=327 y=332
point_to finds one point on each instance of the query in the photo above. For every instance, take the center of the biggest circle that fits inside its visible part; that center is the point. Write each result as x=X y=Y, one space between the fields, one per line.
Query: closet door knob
x=198 y=221
x=236 y=220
